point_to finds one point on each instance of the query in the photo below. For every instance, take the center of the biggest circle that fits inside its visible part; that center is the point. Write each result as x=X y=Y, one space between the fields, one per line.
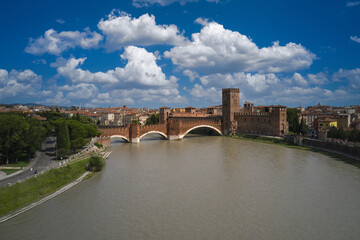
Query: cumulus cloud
x=146 y=3
x=216 y=49
x=153 y=96
x=267 y=89
x=140 y=81
x=318 y=79
x=80 y=91
x=122 y=30
x=351 y=76
x=209 y=94
x=254 y=82
x=53 y=42
x=14 y=83
x=355 y=39
x=191 y=75
x=58 y=99
x=140 y=71
x=298 y=79
x=352 y=4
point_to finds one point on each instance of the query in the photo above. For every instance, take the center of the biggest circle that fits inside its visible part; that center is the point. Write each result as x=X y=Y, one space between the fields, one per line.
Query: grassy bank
x=24 y=193
x=9 y=171
x=281 y=142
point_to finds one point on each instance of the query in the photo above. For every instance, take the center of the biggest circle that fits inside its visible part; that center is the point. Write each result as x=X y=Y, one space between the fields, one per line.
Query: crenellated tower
x=230 y=106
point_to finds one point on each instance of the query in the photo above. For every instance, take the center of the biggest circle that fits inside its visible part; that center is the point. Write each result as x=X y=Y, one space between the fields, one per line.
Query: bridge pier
x=135 y=140
x=174 y=137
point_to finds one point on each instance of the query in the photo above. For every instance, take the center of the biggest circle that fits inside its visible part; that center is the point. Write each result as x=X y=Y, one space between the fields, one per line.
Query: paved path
x=43 y=160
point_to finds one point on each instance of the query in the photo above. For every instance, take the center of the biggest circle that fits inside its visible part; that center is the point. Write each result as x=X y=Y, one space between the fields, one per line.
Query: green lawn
x=22 y=194
x=18 y=164
x=9 y=171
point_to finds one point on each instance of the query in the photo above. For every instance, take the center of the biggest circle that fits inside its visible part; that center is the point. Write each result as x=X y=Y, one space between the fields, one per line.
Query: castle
x=262 y=120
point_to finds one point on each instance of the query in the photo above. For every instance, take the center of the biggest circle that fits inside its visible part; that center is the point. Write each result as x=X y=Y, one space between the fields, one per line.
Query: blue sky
x=179 y=52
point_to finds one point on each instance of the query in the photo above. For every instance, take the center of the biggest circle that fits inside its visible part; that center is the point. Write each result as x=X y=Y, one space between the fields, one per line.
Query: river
x=203 y=188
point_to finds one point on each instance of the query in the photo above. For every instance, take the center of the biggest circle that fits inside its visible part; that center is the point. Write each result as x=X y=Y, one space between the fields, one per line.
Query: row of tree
x=20 y=137
x=340 y=133
x=71 y=133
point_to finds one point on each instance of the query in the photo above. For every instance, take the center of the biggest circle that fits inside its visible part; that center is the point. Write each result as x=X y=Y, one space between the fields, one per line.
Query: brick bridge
x=171 y=130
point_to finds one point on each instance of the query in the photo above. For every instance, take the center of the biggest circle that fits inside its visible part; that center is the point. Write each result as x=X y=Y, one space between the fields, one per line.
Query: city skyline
x=151 y=53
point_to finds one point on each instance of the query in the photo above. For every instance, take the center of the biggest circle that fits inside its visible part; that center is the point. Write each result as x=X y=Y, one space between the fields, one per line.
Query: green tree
x=303 y=128
x=96 y=163
x=20 y=137
x=12 y=128
x=63 y=140
x=153 y=119
x=353 y=135
x=51 y=115
x=293 y=119
x=342 y=134
x=77 y=143
x=332 y=133
x=36 y=134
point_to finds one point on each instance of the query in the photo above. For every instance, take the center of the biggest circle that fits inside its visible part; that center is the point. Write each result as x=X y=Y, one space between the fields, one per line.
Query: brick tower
x=230 y=106
x=164 y=114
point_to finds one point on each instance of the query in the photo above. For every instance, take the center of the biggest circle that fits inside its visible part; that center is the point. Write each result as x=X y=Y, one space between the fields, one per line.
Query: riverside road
x=44 y=159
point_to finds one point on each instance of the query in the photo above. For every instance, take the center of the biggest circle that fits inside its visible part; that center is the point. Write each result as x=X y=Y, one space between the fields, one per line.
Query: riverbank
x=281 y=142
x=24 y=193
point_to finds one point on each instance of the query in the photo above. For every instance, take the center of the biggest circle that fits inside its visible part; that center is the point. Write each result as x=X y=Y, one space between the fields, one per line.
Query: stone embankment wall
x=353 y=152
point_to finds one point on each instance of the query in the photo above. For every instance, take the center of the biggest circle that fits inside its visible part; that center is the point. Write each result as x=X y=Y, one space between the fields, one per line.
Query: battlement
x=255 y=114
x=154 y=126
x=236 y=90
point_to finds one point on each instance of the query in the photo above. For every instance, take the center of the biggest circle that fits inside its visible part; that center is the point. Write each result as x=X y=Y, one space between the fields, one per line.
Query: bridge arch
x=200 y=126
x=120 y=136
x=157 y=132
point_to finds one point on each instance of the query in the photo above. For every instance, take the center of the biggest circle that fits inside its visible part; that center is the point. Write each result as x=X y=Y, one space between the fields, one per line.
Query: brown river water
x=203 y=188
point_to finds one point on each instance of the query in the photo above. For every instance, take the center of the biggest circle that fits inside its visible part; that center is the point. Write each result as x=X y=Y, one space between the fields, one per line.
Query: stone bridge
x=172 y=130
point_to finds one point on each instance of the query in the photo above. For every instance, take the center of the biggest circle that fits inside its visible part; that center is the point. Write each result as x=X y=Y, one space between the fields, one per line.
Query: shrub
x=96 y=163
x=99 y=145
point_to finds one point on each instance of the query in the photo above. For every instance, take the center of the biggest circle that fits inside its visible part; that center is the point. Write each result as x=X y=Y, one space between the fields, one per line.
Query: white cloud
x=351 y=76
x=255 y=83
x=80 y=91
x=352 y=4
x=153 y=96
x=267 y=89
x=140 y=71
x=60 y=21
x=297 y=78
x=58 y=99
x=355 y=39
x=39 y=61
x=16 y=83
x=55 y=43
x=146 y=3
x=122 y=30
x=319 y=78
x=210 y=94
x=141 y=81
x=191 y=75
x=216 y=49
